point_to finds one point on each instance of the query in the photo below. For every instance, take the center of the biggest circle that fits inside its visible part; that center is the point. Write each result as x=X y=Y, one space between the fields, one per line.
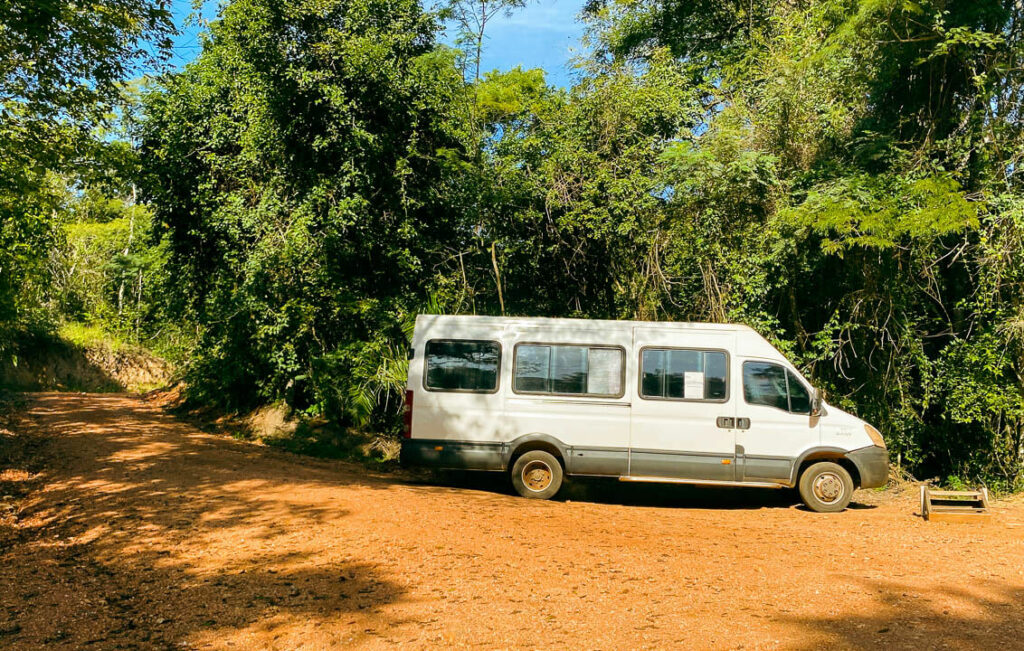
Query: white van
x=691 y=403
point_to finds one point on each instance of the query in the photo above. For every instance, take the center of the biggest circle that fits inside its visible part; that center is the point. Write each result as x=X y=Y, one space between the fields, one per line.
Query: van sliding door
x=682 y=420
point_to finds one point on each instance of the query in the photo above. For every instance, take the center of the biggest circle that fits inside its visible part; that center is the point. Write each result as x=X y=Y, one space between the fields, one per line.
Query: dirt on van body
x=135 y=530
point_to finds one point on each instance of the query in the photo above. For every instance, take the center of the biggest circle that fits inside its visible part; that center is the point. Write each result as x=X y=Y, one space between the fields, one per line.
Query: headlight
x=876 y=436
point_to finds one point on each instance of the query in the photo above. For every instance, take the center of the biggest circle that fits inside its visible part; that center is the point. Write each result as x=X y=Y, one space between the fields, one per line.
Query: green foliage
x=844 y=176
x=83 y=336
x=297 y=170
x=881 y=211
x=61 y=68
x=27 y=232
x=65 y=59
x=855 y=197
x=105 y=271
x=572 y=183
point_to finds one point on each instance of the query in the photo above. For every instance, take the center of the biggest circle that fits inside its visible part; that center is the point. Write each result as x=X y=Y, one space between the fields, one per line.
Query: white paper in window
x=605 y=372
x=693 y=385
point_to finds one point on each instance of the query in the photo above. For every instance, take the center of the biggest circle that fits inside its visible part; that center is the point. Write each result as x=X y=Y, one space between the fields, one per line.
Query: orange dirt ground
x=142 y=532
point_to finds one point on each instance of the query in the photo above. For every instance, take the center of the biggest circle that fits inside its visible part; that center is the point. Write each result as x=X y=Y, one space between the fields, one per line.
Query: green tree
x=298 y=172
x=61 y=66
x=575 y=198
x=857 y=168
x=471 y=18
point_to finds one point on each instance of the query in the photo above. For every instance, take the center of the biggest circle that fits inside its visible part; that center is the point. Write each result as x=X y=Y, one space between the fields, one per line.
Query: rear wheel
x=537 y=475
x=826 y=487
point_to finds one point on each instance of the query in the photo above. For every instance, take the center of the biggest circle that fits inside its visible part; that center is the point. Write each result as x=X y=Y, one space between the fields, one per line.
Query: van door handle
x=726 y=422
x=742 y=423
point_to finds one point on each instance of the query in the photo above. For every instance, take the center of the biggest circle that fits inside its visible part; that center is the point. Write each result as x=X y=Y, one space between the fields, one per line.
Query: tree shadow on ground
x=978 y=614
x=147 y=534
x=124 y=544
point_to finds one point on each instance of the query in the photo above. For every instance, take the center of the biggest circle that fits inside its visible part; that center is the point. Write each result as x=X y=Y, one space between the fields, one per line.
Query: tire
x=826 y=487
x=537 y=475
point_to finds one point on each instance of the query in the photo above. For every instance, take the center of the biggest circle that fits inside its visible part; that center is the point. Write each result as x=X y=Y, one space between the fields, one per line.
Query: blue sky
x=544 y=34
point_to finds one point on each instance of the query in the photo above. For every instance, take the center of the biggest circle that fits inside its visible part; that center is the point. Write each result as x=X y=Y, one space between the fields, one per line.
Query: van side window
x=774 y=386
x=462 y=365
x=683 y=374
x=574 y=370
x=765 y=384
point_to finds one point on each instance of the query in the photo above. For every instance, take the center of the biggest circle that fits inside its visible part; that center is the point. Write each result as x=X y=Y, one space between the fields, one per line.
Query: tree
x=842 y=176
x=298 y=169
x=61 y=66
x=857 y=168
x=472 y=17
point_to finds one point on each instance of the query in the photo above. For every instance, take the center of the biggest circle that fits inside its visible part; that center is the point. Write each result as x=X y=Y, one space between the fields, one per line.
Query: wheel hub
x=537 y=476
x=828 y=487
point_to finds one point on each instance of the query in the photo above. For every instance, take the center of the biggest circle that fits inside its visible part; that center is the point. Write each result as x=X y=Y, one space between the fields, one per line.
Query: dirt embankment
x=277 y=426
x=50 y=363
x=142 y=532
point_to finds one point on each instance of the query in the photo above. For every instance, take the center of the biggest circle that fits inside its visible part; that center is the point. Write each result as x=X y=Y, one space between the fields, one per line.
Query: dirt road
x=142 y=532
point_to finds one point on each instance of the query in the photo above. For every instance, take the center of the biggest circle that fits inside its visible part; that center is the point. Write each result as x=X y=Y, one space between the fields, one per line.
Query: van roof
x=541 y=320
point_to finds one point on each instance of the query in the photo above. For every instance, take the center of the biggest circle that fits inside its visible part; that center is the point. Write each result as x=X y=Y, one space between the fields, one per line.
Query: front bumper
x=872 y=464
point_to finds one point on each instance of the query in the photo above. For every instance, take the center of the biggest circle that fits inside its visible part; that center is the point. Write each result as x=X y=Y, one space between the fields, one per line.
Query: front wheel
x=826 y=487
x=537 y=475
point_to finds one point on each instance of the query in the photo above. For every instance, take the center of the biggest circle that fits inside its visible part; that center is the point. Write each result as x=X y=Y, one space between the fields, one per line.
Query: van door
x=775 y=414
x=683 y=417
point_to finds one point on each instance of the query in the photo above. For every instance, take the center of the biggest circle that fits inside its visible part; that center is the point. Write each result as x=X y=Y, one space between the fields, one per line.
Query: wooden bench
x=954 y=506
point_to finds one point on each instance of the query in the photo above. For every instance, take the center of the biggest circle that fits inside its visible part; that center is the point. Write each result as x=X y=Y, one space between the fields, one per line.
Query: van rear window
x=683 y=374
x=574 y=370
x=462 y=365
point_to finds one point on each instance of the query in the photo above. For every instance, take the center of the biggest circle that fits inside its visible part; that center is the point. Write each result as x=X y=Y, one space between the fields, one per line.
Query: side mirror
x=816 y=399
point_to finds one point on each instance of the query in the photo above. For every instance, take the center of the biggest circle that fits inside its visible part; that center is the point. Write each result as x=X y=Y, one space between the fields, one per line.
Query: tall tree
x=61 y=64
x=857 y=189
x=471 y=19
x=300 y=168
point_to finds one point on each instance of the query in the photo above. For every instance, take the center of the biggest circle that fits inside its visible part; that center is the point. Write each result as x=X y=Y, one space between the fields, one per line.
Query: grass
x=86 y=336
x=81 y=357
